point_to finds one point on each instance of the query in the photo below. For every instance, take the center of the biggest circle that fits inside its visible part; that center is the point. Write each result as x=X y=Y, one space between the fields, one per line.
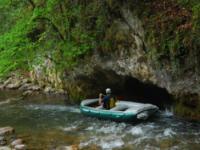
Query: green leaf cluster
x=64 y=29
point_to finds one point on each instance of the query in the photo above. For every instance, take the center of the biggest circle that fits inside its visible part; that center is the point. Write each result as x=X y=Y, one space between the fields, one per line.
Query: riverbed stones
x=2 y=141
x=20 y=147
x=9 y=141
x=71 y=147
x=6 y=131
x=5 y=148
x=17 y=142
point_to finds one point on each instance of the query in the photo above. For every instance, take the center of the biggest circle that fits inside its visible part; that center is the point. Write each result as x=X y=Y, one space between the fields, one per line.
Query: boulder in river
x=6 y=131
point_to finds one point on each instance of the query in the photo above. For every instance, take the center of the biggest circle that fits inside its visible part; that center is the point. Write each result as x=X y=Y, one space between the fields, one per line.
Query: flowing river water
x=46 y=126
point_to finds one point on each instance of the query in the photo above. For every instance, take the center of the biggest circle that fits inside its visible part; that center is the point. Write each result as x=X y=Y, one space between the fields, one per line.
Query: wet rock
x=20 y=147
x=24 y=81
x=29 y=86
x=5 y=102
x=61 y=92
x=49 y=90
x=2 y=141
x=17 y=142
x=71 y=147
x=6 y=131
x=14 y=85
x=34 y=88
x=27 y=93
x=25 y=86
x=1 y=86
x=7 y=82
x=5 y=148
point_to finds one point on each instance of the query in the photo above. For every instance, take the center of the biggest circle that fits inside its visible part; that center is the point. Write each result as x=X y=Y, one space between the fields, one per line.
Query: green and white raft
x=123 y=111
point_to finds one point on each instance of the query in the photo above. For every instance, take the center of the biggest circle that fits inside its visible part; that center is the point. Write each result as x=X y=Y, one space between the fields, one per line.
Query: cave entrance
x=135 y=90
x=131 y=89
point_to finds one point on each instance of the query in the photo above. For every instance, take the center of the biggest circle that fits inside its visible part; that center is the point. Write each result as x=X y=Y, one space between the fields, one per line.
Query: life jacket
x=109 y=102
x=112 y=102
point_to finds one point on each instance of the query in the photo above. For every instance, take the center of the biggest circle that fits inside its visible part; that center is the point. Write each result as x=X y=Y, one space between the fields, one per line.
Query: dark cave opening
x=135 y=90
x=130 y=89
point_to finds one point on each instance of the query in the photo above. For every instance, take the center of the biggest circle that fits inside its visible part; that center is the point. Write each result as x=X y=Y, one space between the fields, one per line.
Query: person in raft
x=108 y=101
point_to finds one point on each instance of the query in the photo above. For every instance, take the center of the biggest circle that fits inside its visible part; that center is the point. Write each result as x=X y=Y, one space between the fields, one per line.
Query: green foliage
x=53 y=27
x=172 y=35
x=15 y=46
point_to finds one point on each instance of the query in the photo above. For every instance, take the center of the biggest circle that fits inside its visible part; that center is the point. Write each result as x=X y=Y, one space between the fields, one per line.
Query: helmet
x=108 y=91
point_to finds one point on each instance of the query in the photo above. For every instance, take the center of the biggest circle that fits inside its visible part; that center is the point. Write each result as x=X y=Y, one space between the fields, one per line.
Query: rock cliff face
x=113 y=69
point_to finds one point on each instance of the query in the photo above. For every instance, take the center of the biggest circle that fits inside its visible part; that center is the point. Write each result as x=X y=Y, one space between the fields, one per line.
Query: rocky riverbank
x=28 y=87
x=9 y=140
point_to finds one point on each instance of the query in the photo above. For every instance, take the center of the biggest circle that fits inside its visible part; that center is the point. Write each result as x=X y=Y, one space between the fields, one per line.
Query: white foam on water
x=90 y=128
x=168 y=112
x=139 y=140
x=92 y=140
x=111 y=144
x=150 y=126
x=53 y=107
x=112 y=128
x=136 y=131
x=66 y=129
x=148 y=147
x=168 y=132
x=106 y=142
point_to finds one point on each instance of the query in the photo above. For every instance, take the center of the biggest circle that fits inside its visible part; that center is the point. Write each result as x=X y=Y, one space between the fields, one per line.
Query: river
x=46 y=126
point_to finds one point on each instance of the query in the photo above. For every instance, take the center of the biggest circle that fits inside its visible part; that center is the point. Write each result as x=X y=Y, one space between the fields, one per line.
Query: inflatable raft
x=123 y=111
